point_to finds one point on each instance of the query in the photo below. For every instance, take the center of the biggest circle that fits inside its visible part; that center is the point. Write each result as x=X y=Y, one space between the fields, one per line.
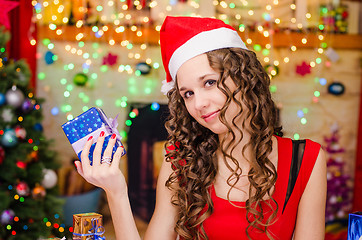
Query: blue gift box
x=355 y=226
x=91 y=123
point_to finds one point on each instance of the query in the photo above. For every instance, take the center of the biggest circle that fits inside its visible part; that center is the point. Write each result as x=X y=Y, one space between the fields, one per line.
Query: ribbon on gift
x=110 y=126
x=95 y=232
x=112 y=123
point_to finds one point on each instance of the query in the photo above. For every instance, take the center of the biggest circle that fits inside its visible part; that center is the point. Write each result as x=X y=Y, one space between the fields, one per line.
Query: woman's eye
x=187 y=94
x=209 y=83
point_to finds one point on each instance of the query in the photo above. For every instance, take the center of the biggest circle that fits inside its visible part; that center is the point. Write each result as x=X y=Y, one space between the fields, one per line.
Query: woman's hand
x=106 y=175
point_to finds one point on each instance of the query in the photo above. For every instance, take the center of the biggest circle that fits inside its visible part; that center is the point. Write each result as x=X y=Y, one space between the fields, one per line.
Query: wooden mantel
x=151 y=36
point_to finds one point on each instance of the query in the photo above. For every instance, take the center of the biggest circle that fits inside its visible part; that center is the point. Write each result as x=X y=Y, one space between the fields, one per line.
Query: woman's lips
x=210 y=116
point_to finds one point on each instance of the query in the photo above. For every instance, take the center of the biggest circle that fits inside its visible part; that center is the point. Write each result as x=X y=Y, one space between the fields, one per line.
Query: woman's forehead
x=195 y=69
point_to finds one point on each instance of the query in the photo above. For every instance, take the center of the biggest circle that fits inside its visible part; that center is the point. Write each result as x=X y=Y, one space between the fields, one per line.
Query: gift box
x=355 y=226
x=88 y=226
x=91 y=123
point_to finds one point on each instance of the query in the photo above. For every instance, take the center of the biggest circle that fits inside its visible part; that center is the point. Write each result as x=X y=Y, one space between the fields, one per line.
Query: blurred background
x=59 y=58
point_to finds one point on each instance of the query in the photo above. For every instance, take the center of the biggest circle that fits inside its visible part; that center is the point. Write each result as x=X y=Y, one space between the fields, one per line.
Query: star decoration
x=303 y=69
x=110 y=59
x=5 y=7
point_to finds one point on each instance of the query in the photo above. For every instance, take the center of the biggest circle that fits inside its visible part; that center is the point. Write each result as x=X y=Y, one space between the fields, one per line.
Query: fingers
x=78 y=166
x=98 y=150
x=108 y=151
x=117 y=157
x=84 y=155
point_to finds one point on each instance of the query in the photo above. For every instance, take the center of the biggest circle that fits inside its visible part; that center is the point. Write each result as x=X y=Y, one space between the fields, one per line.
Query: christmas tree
x=29 y=203
x=339 y=191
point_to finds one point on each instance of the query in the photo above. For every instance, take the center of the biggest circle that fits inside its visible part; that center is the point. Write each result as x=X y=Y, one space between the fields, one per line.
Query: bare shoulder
x=163 y=221
x=319 y=172
x=321 y=162
x=311 y=211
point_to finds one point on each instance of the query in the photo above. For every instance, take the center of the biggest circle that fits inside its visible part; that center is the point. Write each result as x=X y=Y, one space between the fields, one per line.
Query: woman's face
x=197 y=85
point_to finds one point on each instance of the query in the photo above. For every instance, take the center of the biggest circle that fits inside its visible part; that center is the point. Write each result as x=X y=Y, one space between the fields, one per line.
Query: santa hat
x=183 y=38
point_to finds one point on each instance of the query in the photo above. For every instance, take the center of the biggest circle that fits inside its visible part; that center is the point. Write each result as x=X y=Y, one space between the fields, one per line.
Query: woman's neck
x=236 y=150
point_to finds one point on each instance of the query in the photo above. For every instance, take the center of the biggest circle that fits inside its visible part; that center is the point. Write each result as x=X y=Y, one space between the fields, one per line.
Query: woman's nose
x=201 y=100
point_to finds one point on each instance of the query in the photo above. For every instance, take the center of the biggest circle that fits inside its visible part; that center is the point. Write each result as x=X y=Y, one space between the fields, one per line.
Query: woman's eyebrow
x=200 y=79
x=207 y=75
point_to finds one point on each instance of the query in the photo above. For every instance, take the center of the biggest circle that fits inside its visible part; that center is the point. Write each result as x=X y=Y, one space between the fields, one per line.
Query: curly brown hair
x=194 y=159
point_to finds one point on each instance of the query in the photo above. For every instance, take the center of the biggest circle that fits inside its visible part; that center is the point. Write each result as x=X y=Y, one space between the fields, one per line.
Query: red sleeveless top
x=229 y=222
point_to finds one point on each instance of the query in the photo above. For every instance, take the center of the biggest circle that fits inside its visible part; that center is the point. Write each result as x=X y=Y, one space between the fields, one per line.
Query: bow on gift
x=113 y=124
x=95 y=232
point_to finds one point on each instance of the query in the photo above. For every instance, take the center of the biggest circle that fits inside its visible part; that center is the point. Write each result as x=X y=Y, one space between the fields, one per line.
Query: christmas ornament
x=272 y=70
x=33 y=156
x=20 y=132
x=5 y=7
x=336 y=88
x=22 y=188
x=49 y=57
x=21 y=164
x=7 y=216
x=144 y=68
x=27 y=105
x=14 y=97
x=38 y=192
x=80 y=79
x=110 y=59
x=50 y=178
x=7 y=115
x=303 y=69
x=2 y=99
x=2 y=154
x=38 y=127
x=9 y=138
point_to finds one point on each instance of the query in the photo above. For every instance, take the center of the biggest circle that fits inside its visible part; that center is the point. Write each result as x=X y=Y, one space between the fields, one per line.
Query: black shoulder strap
x=297 y=156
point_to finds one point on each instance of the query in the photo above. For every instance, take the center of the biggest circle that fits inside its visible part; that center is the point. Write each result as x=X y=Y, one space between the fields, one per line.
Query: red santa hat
x=183 y=38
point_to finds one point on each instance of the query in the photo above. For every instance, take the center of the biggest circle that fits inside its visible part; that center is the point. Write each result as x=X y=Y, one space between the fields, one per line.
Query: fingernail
x=102 y=134
x=90 y=138
x=75 y=166
x=113 y=136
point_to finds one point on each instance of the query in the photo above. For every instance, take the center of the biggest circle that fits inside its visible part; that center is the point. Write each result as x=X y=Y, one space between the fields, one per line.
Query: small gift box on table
x=91 y=123
x=355 y=226
x=88 y=226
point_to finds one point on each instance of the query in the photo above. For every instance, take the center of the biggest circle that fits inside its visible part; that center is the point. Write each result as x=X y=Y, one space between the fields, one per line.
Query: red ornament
x=22 y=189
x=38 y=192
x=20 y=132
x=303 y=69
x=2 y=154
x=5 y=7
x=21 y=164
x=110 y=59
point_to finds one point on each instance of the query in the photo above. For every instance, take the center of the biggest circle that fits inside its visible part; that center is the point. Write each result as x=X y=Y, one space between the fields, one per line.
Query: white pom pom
x=167 y=86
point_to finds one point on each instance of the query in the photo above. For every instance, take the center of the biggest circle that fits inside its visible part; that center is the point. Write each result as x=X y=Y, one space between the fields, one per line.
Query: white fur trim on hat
x=201 y=43
x=167 y=86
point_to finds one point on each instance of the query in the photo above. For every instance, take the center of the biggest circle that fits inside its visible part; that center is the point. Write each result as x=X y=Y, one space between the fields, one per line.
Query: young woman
x=228 y=173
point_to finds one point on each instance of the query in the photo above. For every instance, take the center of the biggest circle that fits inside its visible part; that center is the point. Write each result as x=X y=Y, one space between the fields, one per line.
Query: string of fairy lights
x=107 y=20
